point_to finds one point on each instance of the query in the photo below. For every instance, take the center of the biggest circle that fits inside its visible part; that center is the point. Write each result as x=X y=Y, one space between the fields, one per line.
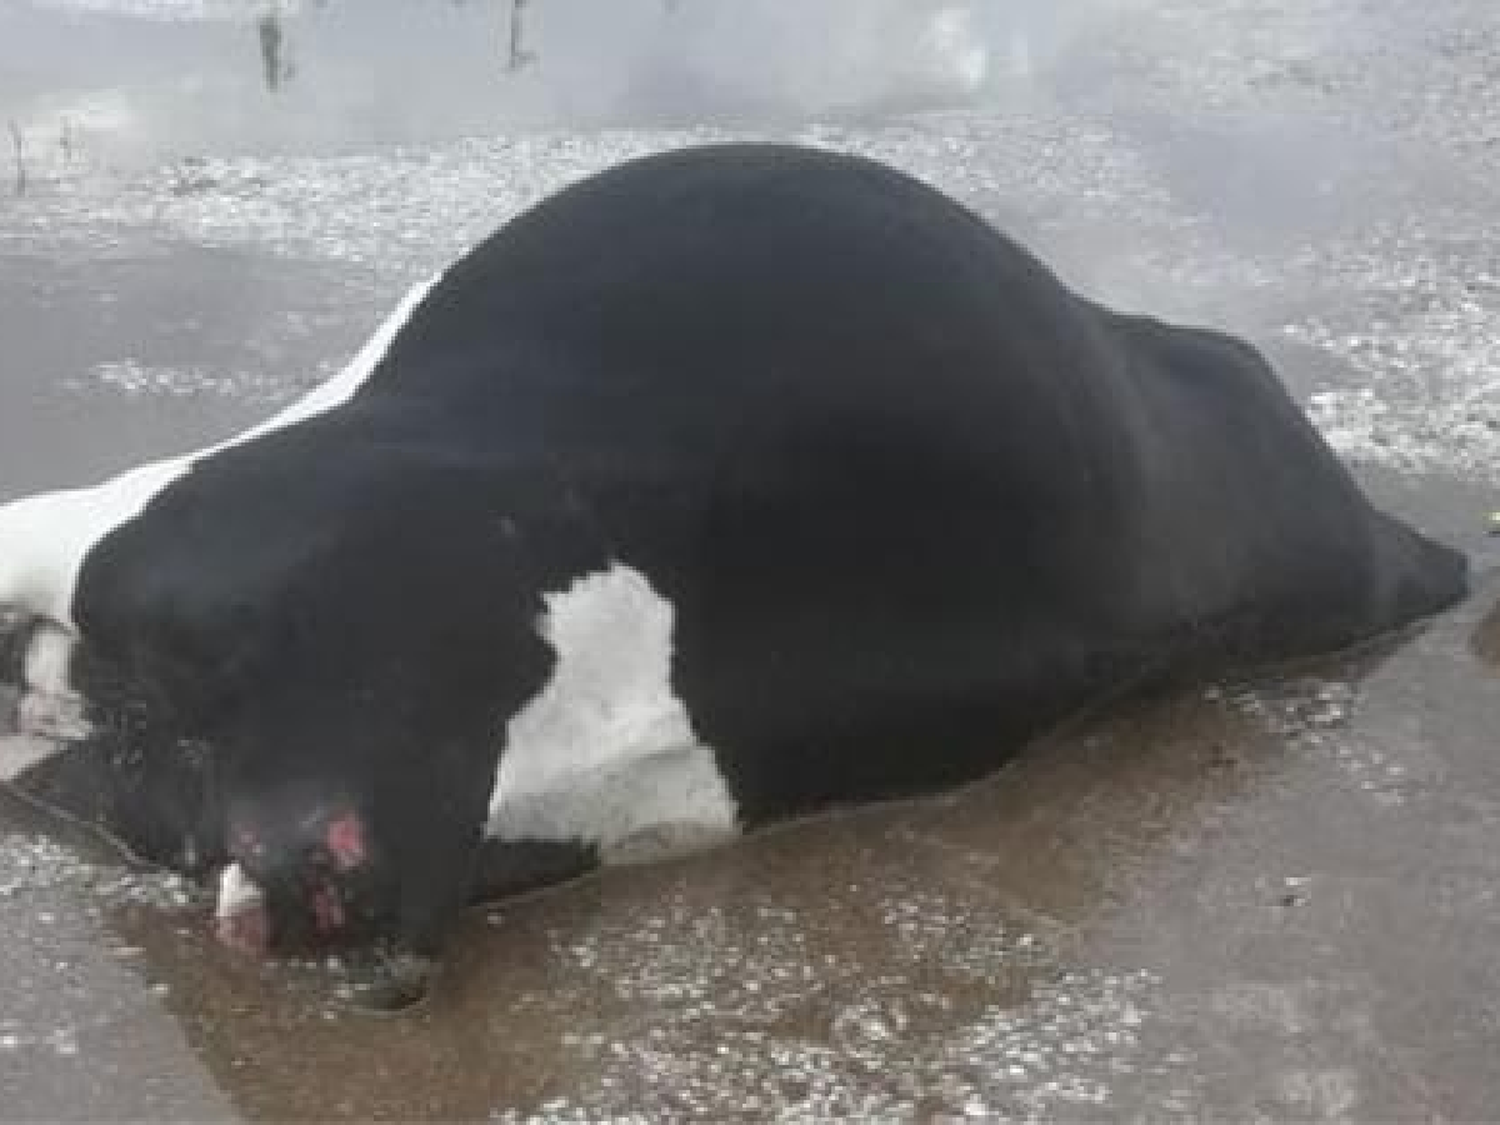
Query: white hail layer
x=44 y=539
x=605 y=753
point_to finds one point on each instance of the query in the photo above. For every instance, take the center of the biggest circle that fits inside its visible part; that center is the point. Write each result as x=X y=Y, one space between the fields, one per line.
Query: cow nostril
x=345 y=840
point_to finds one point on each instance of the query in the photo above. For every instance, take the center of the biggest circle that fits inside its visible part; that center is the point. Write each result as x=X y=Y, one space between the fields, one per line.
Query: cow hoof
x=401 y=984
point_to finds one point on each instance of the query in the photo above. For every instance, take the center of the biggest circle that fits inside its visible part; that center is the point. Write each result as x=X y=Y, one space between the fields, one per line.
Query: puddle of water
x=924 y=959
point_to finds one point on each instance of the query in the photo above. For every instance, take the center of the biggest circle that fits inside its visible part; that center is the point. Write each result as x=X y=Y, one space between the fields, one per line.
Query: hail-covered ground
x=1274 y=899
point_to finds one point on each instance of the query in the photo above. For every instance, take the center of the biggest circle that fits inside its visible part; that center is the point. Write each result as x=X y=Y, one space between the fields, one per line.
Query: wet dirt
x=1272 y=899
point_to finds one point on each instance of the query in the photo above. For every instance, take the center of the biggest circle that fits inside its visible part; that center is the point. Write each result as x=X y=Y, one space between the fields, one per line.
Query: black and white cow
x=727 y=485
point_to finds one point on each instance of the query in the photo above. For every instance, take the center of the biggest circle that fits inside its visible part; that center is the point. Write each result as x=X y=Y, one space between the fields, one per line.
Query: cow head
x=339 y=641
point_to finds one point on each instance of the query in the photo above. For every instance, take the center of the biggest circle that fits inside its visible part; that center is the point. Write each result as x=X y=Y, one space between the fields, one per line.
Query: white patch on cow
x=237 y=892
x=19 y=752
x=44 y=539
x=49 y=706
x=48 y=659
x=605 y=753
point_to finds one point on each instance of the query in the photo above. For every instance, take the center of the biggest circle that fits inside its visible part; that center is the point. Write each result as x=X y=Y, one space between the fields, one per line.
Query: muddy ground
x=1275 y=899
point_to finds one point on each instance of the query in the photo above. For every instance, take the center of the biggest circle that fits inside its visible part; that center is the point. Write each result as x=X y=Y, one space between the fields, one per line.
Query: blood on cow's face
x=304 y=871
x=351 y=829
